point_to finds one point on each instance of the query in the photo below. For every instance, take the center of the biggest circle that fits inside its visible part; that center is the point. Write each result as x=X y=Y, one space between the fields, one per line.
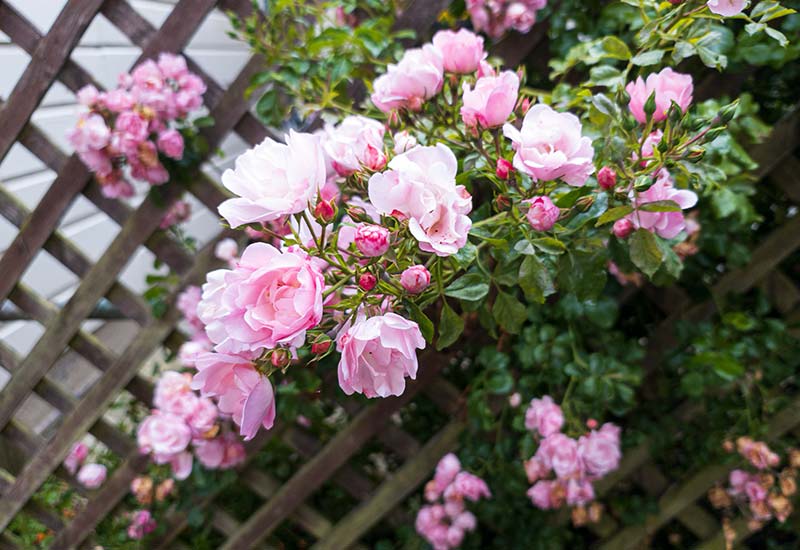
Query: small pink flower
x=170 y=142
x=180 y=464
x=377 y=354
x=455 y=535
x=163 y=434
x=600 y=451
x=737 y=480
x=132 y=126
x=550 y=146
x=76 y=456
x=668 y=86
x=540 y=494
x=172 y=66
x=579 y=492
x=665 y=224
x=90 y=134
x=417 y=77
x=754 y=491
x=504 y=168
x=466 y=520
x=492 y=101
x=461 y=51
x=535 y=470
x=403 y=141
x=179 y=212
x=354 y=143
x=560 y=453
x=726 y=8
x=92 y=475
x=446 y=471
x=226 y=250
x=542 y=213
x=622 y=228
x=170 y=388
x=367 y=281
x=469 y=486
x=235 y=453
x=372 y=240
x=544 y=416
x=141 y=525
x=515 y=400
x=202 y=417
x=607 y=178
x=88 y=95
x=415 y=279
x=210 y=452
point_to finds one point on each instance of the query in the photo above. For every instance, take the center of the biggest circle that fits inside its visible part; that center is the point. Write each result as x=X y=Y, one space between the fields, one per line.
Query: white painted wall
x=104 y=52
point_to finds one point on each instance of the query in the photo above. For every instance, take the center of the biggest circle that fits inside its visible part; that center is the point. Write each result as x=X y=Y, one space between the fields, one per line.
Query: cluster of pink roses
x=496 y=17
x=89 y=474
x=182 y=419
x=576 y=464
x=445 y=521
x=133 y=124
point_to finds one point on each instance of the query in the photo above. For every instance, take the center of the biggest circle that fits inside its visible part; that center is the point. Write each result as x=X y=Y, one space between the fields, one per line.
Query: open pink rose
x=420 y=186
x=579 y=492
x=377 y=354
x=664 y=224
x=76 y=456
x=461 y=51
x=492 y=101
x=560 y=453
x=600 y=451
x=170 y=142
x=142 y=524
x=468 y=486
x=354 y=143
x=550 y=146
x=726 y=8
x=668 y=85
x=92 y=475
x=91 y=133
x=270 y=298
x=163 y=434
x=250 y=401
x=541 y=494
x=272 y=180
x=446 y=471
x=210 y=452
x=417 y=77
x=171 y=386
x=544 y=416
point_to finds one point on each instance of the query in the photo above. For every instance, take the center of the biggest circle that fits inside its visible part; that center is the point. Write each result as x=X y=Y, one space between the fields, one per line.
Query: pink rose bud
x=542 y=214
x=92 y=475
x=280 y=358
x=492 y=100
x=226 y=250
x=415 y=279
x=504 y=168
x=372 y=240
x=170 y=142
x=524 y=106
x=485 y=69
x=591 y=423
x=461 y=51
x=76 y=457
x=607 y=178
x=324 y=212
x=403 y=141
x=622 y=228
x=367 y=281
x=515 y=399
x=318 y=348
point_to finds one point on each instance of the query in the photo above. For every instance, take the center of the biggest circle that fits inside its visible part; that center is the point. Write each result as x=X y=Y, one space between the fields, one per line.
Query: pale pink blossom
x=187 y=304
x=180 y=463
x=170 y=142
x=600 y=451
x=496 y=17
x=579 y=492
x=668 y=86
x=142 y=524
x=560 y=453
x=420 y=186
x=202 y=417
x=172 y=66
x=170 y=388
x=272 y=180
x=491 y=102
x=235 y=453
x=469 y=486
x=726 y=8
x=210 y=452
x=270 y=298
x=544 y=416
x=535 y=470
x=461 y=51
x=377 y=354
x=91 y=133
x=354 y=143
x=415 y=279
x=76 y=456
x=515 y=400
x=665 y=224
x=446 y=471
x=179 y=212
x=226 y=250
x=403 y=141
x=542 y=214
x=92 y=475
x=163 y=434
x=417 y=77
x=550 y=146
x=88 y=95
x=541 y=494
x=372 y=240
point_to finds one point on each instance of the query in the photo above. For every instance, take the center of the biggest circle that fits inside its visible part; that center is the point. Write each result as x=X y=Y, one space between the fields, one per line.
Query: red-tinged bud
x=325 y=212
x=504 y=168
x=607 y=178
x=591 y=423
x=280 y=358
x=367 y=281
x=526 y=104
x=501 y=203
x=623 y=228
x=321 y=346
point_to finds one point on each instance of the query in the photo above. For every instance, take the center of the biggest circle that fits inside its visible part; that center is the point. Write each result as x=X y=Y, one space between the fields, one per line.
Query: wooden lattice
x=28 y=459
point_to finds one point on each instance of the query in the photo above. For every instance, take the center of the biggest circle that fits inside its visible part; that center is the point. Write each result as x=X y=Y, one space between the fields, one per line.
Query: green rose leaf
x=451 y=325
x=509 y=313
x=535 y=280
x=470 y=287
x=645 y=252
x=613 y=214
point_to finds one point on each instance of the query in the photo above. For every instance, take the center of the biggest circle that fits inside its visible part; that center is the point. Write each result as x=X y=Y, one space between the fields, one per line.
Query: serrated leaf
x=470 y=287
x=614 y=214
x=645 y=252
x=651 y=57
x=549 y=245
x=451 y=325
x=660 y=206
x=535 y=280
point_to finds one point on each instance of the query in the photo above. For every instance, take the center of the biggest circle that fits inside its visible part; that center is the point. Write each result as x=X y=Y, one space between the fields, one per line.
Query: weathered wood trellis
x=28 y=459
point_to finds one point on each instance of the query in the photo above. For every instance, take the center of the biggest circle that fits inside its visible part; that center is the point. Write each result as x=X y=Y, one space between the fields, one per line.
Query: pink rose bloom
x=726 y=8
x=515 y=400
x=466 y=521
x=737 y=480
x=560 y=453
x=354 y=143
x=550 y=146
x=579 y=492
x=210 y=452
x=377 y=354
x=417 y=77
x=170 y=142
x=272 y=180
x=535 y=470
x=600 y=452
x=172 y=66
x=759 y=455
x=226 y=250
x=92 y=475
x=372 y=240
x=544 y=416
x=520 y=17
x=668 y=85
x=116 y=188
x=243 y=392
x=542 y=214
x=420 y=186
x=403 y=141
x=461 y=51
x=754 y=490
x=492 y=101
x=147 y=75
x=665 y=224
x=117 y=101
x=88 y=95
x=235 y=453
x=163 y=434
x=203 y=416
x=132 y=126
x=271 y=298
x=446 y=471
x=469 y=486
x=100 y=163
x=540 y=494
x=187 y=304
x=455 y=535
x=141 y=525
x=170 y=388
x=90 y=133
x=75 y=458
x=415 y=279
